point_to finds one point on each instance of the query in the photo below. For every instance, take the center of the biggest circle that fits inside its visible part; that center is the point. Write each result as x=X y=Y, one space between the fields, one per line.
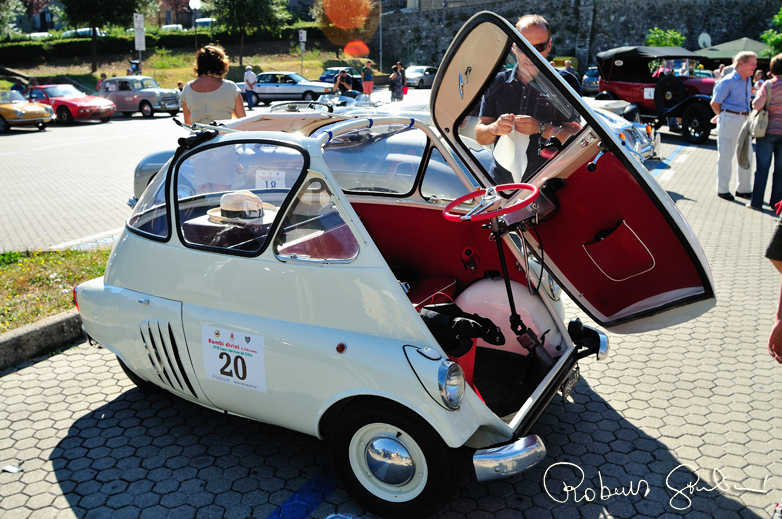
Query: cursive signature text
x=589 y=494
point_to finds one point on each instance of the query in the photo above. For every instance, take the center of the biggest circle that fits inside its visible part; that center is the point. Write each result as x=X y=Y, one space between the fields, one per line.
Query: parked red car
x=69 y=103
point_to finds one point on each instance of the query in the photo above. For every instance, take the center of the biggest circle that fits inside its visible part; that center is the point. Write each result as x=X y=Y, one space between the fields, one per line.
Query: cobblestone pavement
x=668 y=407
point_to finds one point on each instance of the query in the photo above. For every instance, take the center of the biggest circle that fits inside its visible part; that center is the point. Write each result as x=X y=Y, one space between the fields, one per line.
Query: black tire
x=696 y=123
x=420 y=84
x=105 y=119
x=668 y=93
x=146 y=109
x=606 y=95
x=127 y=114
x=173 y=113
x=256 y=100
x=140 y=383
x=41 y=126
x=308 y=96
x=434 y=469
x=64 y=115
x=4 y=126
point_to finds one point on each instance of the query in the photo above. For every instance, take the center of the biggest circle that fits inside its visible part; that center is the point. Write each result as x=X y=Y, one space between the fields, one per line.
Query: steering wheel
x=490 y=197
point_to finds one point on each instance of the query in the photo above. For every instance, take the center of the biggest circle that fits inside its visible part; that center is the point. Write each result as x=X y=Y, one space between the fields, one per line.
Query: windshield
x=296 y=77
x=148 y=82
x=416 y=70
x=522 y=118
x=11 y=97
x=63 y=91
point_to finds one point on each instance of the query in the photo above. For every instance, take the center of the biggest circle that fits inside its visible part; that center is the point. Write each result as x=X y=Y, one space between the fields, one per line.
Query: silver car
x=140 y=94
x=420 y=77
x=277 y=86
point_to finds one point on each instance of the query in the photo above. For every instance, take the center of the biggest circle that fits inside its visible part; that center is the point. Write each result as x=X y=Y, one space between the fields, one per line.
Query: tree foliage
x=660 y=38
x=149 y=8
x=33 y=7
x=178 y=6
x=9 y=10
x=773 y=38
x=246 y=15
x=96 y=14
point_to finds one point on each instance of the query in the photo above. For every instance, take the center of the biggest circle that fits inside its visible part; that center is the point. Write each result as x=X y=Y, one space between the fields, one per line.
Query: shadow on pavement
x=153 y=454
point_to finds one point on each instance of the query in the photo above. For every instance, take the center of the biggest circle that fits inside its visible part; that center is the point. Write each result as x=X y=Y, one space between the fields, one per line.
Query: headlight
x=450 y=379
x=49 y=109
x=18 y=112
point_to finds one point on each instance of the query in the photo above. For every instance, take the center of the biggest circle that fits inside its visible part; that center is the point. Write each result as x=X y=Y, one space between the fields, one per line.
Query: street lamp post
x=195 y=5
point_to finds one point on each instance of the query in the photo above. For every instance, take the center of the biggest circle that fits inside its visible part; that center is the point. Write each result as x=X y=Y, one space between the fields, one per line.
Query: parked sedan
x=140 y=94
x=70 y=103
x=16 y=111
x=276 y=86
x=329 y=74
x=589 y=84
x=420 y=77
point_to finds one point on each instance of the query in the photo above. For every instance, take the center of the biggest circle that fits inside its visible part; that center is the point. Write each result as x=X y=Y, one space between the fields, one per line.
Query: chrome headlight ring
x=450 y=380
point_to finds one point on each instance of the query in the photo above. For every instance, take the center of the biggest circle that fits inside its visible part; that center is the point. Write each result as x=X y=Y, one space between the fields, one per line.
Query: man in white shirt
x=249 y=83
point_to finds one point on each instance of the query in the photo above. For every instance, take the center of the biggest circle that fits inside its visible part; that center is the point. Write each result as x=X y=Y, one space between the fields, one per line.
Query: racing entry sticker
x=234 y=358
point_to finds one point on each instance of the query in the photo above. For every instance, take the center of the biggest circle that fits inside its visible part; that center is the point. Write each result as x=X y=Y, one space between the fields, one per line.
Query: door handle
x=144 y=301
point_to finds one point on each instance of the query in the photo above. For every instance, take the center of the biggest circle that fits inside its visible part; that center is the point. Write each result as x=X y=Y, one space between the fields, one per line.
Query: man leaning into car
x=731 y=102
x=512 y=103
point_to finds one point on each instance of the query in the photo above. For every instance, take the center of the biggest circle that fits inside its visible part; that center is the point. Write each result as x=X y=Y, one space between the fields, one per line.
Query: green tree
x=248 y=15
x=96 y=14
x=773 y=38
x=660 y=38
x=9 y=10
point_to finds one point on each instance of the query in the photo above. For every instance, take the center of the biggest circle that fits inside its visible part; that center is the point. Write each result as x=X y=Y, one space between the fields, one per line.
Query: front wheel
x=696 y=124
x=146 y=109
x=64 y=115
x=41 y=126
x=391 y=461
x=105 y=119
x=4 y=126
x=420 y=84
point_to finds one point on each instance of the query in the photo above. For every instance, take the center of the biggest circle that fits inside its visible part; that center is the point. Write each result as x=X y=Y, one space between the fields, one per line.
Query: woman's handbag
x=758 y=119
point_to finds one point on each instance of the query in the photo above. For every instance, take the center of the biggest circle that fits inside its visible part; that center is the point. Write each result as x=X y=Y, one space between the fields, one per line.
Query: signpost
x=195 y=5
x=302 y=44
x=138 y=33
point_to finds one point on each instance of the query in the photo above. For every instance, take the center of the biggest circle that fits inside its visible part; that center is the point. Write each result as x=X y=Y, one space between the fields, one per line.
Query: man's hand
x=527 y=125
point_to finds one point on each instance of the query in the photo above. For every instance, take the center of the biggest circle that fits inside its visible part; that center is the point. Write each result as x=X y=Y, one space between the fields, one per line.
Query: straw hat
x=242 y=207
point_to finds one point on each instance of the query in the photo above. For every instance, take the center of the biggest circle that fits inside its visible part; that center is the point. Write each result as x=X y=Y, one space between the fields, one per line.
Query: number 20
x=239 y=366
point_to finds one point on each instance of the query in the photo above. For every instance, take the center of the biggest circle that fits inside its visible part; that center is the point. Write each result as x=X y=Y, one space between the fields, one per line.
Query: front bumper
x=166 y=107
x=514 y=458
x=92 y=114
x=32 y=121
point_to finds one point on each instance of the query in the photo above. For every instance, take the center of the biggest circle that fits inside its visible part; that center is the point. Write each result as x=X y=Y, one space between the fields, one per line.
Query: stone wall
x=580 y=28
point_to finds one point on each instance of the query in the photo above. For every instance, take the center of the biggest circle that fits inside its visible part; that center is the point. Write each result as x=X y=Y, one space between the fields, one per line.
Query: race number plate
x=234 y=358
x=648 y=93
x=269 y=179
x=570 y=383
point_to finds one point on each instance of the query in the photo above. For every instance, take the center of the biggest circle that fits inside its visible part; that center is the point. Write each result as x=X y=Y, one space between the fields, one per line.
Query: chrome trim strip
x=500 y=462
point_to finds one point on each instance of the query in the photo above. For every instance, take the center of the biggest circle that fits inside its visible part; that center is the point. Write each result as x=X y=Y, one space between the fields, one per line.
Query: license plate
x=570 y=383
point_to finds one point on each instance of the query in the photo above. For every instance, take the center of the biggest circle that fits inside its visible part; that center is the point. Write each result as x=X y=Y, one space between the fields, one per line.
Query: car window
x=383 y=159
x=440 y=181
x=266 y=78
x=228 y=196
x=36 y=94
x=149 y=216
x=314 y=229
x=521 y=89
x=124 y=86
x=62 y=91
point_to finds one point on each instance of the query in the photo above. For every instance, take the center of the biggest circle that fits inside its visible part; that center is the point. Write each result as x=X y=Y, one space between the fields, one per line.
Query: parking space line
x=301 y=504
x=664 y=164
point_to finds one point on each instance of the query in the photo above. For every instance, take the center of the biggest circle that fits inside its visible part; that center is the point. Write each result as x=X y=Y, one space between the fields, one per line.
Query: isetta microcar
x=379 y=300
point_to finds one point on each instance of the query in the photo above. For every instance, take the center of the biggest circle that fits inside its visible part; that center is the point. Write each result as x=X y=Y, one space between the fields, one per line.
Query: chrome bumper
x=132 y=201
x=500 y=462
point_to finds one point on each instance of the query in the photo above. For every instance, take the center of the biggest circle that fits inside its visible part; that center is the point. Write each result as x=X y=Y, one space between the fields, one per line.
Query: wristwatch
x=541 y=128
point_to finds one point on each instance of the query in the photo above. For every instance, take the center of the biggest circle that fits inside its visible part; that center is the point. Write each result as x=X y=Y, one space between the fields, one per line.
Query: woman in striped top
x=770 y=146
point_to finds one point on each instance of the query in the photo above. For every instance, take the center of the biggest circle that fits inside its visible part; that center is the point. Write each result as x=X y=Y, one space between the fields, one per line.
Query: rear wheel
x=256 y=100
x=696 y=123
x=64 y=115
x=4 y=126
x=420 y=84
x=308 y=96
x=668 y=93
x=391 y=461
x=146 y=109
x=173 y=113
x=140 y=383
x=606 y=95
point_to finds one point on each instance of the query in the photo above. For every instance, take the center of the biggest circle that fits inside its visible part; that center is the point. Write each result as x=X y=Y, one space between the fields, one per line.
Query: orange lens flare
x=356 y=49
x=347 y=14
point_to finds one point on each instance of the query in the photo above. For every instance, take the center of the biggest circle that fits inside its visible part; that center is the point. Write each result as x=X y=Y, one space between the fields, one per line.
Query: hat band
x=245 y=215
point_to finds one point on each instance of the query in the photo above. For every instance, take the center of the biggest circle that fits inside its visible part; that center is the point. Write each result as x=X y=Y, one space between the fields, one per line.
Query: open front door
x=602 y=226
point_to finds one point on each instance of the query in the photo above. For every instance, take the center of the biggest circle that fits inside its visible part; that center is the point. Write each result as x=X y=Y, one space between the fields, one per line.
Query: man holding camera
x=343 y=82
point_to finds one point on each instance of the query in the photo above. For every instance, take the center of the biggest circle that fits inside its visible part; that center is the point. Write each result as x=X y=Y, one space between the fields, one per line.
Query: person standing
x=401 y=70
x=100 y=83
x=209 y=97
x=769 y=146
x=569 y=68
x=396 y=84
x=249 y=85
x=731 y=101
x=758 y=81
x=18 y=86
x=366 y=77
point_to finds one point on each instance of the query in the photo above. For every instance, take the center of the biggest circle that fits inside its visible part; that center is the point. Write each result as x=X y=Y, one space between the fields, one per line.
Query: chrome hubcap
x=390 y=461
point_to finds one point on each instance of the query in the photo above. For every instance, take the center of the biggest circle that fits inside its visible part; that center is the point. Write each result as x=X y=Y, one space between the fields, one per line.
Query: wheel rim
x=388 y=462
x=64 y=115
x=146 y=110
x=308 y=97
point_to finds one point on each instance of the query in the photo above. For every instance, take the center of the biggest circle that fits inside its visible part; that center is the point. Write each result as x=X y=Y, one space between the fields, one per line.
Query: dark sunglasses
x=541 y=47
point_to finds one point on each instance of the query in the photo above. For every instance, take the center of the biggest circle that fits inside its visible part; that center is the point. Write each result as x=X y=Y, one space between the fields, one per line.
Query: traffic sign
x=302 y=35
x=138 y=21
